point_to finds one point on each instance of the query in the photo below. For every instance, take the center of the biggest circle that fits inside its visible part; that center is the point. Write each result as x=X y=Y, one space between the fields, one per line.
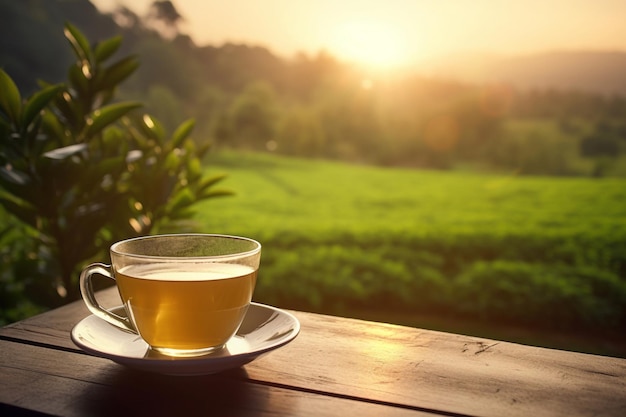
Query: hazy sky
x=389 y=32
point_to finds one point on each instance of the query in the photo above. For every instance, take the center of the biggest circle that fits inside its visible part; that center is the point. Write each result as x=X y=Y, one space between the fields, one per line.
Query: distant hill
x=600 y=72
x=32 y=45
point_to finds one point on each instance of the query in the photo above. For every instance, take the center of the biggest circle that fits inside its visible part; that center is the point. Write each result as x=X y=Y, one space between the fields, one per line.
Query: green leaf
x=110 y=166
x=182 y=132
x=105 y=116
x=208 y=182
x=19 y=208
x=10 y=98
x=12 y=176
x=106 y=48
x=181 y=200
x=114 y=142
x=118 y=72
x=152 y=128
x=66 y=151
x=78 y=41
x=78 y=79
x=194 y=169
x=53 y=127
x=215 y=193
x=68 y=106
x=172 y=162
x=37 y=102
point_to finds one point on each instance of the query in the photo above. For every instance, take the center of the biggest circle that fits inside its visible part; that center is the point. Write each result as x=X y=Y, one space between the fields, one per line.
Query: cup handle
x=86 y=290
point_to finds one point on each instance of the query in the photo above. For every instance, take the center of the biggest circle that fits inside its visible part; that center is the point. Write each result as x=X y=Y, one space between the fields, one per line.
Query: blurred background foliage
x=244 y=96
x=411 y=246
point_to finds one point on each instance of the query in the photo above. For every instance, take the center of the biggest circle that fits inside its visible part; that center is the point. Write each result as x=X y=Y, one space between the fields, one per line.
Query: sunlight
x=369 y=43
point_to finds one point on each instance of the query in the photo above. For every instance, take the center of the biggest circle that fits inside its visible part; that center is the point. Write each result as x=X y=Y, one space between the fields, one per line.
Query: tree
x=79 y=171
x=599 y=145
x=165 y=17
x=253 y=116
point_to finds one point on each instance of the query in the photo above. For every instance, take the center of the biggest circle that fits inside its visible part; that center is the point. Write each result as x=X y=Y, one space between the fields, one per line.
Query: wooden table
x=336 y=367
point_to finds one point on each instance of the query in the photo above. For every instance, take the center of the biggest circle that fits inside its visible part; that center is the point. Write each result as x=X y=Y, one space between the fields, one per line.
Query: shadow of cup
x=131 y=392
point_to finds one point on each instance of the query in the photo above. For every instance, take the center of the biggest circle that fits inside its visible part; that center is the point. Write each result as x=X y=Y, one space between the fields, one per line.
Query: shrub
x=338 y=276
x=563 y=296
x=79 y=171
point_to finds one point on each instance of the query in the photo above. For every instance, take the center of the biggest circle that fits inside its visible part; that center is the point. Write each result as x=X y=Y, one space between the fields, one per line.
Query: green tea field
x=533 y=259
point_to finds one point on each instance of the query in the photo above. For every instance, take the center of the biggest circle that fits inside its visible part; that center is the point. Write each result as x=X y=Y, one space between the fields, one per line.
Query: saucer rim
x=187 y=365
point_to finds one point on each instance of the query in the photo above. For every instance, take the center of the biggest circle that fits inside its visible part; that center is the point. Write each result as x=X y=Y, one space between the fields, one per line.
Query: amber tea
x=186 y=308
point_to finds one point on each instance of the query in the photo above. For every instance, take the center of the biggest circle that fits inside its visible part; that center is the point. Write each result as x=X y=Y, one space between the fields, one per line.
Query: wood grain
x=70 y=384
x=420 y=370
x=448 y=372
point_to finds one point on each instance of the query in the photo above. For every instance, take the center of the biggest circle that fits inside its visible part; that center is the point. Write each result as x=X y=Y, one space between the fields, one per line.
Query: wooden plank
x=70 y=384
x=53 y=327
x=419 y=368
x=449 y=372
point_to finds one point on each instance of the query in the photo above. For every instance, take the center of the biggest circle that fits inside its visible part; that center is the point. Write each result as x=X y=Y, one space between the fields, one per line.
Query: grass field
x=534 y=259
x=277 y=194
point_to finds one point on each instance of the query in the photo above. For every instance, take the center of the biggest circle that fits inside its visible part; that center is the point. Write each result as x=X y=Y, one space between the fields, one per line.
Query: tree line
x=246 y=97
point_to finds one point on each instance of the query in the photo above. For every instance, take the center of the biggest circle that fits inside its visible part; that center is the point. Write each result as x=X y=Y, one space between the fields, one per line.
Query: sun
x=370 y=43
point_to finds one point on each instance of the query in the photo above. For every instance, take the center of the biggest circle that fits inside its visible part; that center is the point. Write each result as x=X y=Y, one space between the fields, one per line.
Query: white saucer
x=263 y=329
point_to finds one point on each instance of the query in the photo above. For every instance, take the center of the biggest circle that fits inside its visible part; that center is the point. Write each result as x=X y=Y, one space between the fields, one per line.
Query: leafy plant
x=80 y=170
